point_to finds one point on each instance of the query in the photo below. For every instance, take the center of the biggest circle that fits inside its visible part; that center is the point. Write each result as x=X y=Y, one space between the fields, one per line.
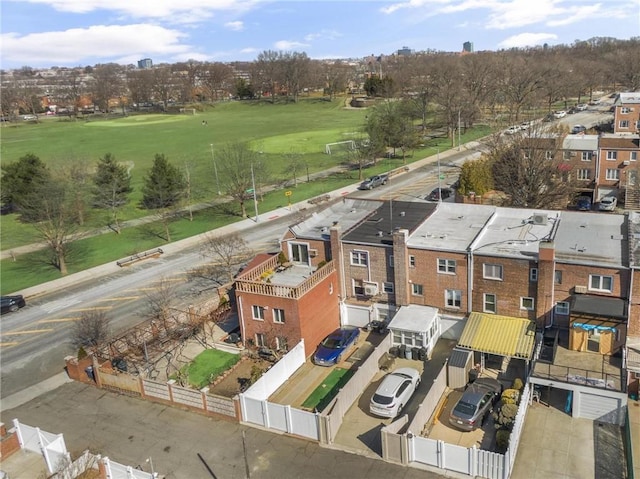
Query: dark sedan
x=11 y=304
x=332 y=348
x=440 y=194
x=475 y=404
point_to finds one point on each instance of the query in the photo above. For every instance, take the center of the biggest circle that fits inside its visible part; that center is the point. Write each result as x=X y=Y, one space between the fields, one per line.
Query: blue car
x=331 y=350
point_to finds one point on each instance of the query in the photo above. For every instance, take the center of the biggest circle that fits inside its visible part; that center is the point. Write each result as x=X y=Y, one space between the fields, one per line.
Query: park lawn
x=329 y=388
x=208 y=365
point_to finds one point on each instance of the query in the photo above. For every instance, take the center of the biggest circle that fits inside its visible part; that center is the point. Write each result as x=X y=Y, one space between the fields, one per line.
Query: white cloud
x=577 y=14
x=184 y=11
x=106 y=43
x=249 y=50
x=527 y=40
x=288 y=45
x=236 y=26
x=410 y=4
x=322 y=34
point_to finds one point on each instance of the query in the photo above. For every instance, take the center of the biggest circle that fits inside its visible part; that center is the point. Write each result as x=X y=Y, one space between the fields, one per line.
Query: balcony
x=287 y=280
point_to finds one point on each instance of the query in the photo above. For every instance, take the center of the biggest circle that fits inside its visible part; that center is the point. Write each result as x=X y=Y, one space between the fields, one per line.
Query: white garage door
x=357 y=316
x=600 y=408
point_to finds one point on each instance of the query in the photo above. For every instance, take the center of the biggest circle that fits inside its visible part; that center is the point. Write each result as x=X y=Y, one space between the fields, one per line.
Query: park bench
x=139 y=257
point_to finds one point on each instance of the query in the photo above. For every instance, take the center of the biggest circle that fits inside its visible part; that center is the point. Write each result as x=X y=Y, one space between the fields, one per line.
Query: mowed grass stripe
x=324 y=393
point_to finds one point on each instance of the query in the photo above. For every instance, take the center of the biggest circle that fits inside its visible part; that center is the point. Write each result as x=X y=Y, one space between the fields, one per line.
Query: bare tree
x=269 y=68
x=160 y=303
x=216 y=77
x=91 y=330
x=140 y=85
x=106 y=84
x=295 y=72
x=224 y=254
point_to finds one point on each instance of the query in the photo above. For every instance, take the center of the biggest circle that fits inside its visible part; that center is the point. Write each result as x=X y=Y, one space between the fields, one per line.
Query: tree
x=21 y=178
x=140 y=85
x=269 y=70
x=390 y=124
x=476 y=177
x=295 y=163
x=163 y=189
x=241 y=169
x=295 y=72
x=335 y=78
x=112 y=187
x=243 y=89
x=106 y=85
x=224 y=254
x=91 y=330
x=160 y=304
x=216 y=77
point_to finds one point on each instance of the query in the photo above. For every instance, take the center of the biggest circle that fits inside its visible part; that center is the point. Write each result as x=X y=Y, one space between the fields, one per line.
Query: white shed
x=416 y=326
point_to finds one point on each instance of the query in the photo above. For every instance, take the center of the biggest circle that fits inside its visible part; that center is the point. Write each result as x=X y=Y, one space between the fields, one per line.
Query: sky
x=45 y=33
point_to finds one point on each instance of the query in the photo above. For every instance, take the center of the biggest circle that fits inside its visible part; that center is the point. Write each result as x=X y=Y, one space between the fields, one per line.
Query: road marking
x=58 y=320
x=91 y=309
x=120 y=298
x=9 y=344
x=22 y=333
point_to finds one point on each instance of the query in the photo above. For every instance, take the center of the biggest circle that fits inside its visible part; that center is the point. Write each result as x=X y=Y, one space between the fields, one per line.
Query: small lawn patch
x=208 y=365
x=329 y=388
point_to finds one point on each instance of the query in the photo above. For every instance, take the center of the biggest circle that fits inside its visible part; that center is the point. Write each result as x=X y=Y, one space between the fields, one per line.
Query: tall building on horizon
x=145 y=63
x=467 y=47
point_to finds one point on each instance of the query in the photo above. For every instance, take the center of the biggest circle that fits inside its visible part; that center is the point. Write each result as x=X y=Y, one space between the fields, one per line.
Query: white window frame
x=557 y=276
x=451 y=297
x=278 y=316
x=359 y=258
x=612 y=174
x=612 y=155
x=391 y=260
x=417 y=289
x=533 y=275
x=531 y=303
x=388 y=287
x=261 y=340
x=583 y=174
x=548 y=155
x=446 y=266
x=563 y=308
x=494 y=302
x=600 y=279
x=624 y=110
x=586 y=156
x=633 y=155
x=412 y=261
x=623 y=124
x=489 y=271
x=281 y=343
x=257 y=312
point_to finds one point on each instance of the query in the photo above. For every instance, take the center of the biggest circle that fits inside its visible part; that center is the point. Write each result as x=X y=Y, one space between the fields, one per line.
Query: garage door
x=600 y=408
x=358 y=316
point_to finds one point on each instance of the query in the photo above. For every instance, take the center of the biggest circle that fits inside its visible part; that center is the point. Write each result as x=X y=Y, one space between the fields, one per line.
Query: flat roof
x=347 y=213
x=600 y=306
x=515 y=232
x=500 y=335
x=634 y=239
x=628 y=97
x=378 y=227
x=414 y=317
x=451 y=227
x=580 y=142
x=592 y=238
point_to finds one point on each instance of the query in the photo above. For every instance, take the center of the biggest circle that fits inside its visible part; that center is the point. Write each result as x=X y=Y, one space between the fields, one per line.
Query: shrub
x=502 y=439
x=281 y=258
x=505 y=416
x=82 y=353
x=517 y=384
x=510 y=396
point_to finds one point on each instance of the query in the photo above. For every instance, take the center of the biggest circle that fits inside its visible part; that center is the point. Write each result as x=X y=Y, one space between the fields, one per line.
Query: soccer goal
x=188 y=111
x=340 y=146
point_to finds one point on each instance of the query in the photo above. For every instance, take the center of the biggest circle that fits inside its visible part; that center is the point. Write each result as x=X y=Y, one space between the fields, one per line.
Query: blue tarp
x=591 y=327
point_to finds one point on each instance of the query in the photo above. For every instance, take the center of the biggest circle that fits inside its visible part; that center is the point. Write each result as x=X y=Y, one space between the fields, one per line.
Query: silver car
x=476 y=404
x=608 y=203
x=394 y=392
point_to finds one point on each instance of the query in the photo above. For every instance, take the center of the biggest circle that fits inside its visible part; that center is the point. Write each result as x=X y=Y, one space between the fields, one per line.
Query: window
x=258 y=312
x=416 y=289
x=408 y=338
x=453 y=298
x=584 y=174
x=624 y=123
x=447 y=266
x=358 y=288
x=612 y=155
x=613 y=174
x=278 y=315
x=261 y=342
x=391 y=265
x=557 y=277
x=548 y=155
x=412 y=261
x=633 y=155
x=586 y=156
x=281 y=343
x=359 y=258
x=526 y=303
x=492 y=271
x=489 y=303
x=562 y=307
x=387 y=288
x=599 y=282
x=533 y=274
x=624 y=110
x=299 y=253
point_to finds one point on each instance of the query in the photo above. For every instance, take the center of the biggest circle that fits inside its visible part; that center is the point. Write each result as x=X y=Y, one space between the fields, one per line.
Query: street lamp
x=255 y=199
x=215 y=170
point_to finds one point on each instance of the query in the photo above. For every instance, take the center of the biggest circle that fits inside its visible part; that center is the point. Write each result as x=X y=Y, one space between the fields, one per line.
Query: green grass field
x=324 y=393
x=208 y=365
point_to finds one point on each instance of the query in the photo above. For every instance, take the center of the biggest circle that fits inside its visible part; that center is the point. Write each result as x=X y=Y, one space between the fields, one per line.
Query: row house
x=626 y=117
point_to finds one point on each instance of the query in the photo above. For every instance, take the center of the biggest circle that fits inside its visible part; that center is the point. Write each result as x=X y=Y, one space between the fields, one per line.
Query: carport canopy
x=499 y=335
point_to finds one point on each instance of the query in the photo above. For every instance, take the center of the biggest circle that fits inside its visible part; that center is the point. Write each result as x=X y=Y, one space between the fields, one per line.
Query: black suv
x=12 y=303
x=439 y=194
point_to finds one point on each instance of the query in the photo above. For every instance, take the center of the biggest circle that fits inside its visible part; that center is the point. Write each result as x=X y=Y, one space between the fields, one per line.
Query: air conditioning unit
x=313 y=253
x=580 y=289
x=370 y=289
x=539 y=219
x=626 y=163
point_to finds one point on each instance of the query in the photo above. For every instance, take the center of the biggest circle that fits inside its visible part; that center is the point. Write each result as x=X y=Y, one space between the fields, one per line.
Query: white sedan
x=394 y=392
x=559 y=114
x=608 y=203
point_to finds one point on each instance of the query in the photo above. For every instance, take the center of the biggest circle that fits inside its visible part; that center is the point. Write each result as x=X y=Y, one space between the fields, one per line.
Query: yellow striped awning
x=499 y=335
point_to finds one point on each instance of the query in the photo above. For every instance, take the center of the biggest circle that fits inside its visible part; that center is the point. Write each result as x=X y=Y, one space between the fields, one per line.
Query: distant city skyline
x=44 y=33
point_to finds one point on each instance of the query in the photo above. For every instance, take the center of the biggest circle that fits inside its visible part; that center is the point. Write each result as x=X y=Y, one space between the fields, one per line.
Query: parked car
x=578 y=129
x=583 y=203
x=29 y=117
x=394 y=392
x=476 y=404
x=581 y=106
x=374 y=181
x=559 y=114
x=10 y=304
x=439 y=194
x=512 y=130
x=332 y=348
x=572 y=110
x=525 y=125
x=608 y=203
x=548 y=118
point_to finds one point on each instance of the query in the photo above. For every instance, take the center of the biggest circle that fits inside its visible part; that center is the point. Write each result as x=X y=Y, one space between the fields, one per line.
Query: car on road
x=583 y=203
x=374 y=181
x=512 y=130
x=332 y=348
x=29 y=117
x=559 y=114
x=10 y=304
x=394 y=392
x=582 y=106
x=608 y=203
x=575 y=129
x=439 y=194
x=525 y=125
x=476 y=403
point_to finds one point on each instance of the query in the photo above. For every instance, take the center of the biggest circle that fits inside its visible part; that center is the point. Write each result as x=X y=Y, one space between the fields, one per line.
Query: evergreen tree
x=112 y=187
x=21 y=179
x=164 y=186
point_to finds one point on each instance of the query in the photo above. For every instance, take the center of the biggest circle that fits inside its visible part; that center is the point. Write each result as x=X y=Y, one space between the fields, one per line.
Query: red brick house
x=626 y=117
x=619 y=157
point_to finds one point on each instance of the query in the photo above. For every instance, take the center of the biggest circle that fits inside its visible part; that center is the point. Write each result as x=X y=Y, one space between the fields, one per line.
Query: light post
x=459 y=129
x=150 y=461
x=255 y=199
x=215 y=170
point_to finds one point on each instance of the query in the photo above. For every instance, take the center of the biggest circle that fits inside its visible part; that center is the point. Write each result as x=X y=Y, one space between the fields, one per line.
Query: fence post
x=16 y=424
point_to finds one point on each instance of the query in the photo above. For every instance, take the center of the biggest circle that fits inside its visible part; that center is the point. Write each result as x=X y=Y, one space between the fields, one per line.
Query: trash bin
x=90 y=373
x=473 y=375
x=422 y=354
x=393 y=351
x=407 y=352
x=402 y=351
x=415 y=353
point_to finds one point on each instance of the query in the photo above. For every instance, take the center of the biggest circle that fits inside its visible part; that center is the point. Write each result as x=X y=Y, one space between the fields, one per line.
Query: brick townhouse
x=626 y=117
